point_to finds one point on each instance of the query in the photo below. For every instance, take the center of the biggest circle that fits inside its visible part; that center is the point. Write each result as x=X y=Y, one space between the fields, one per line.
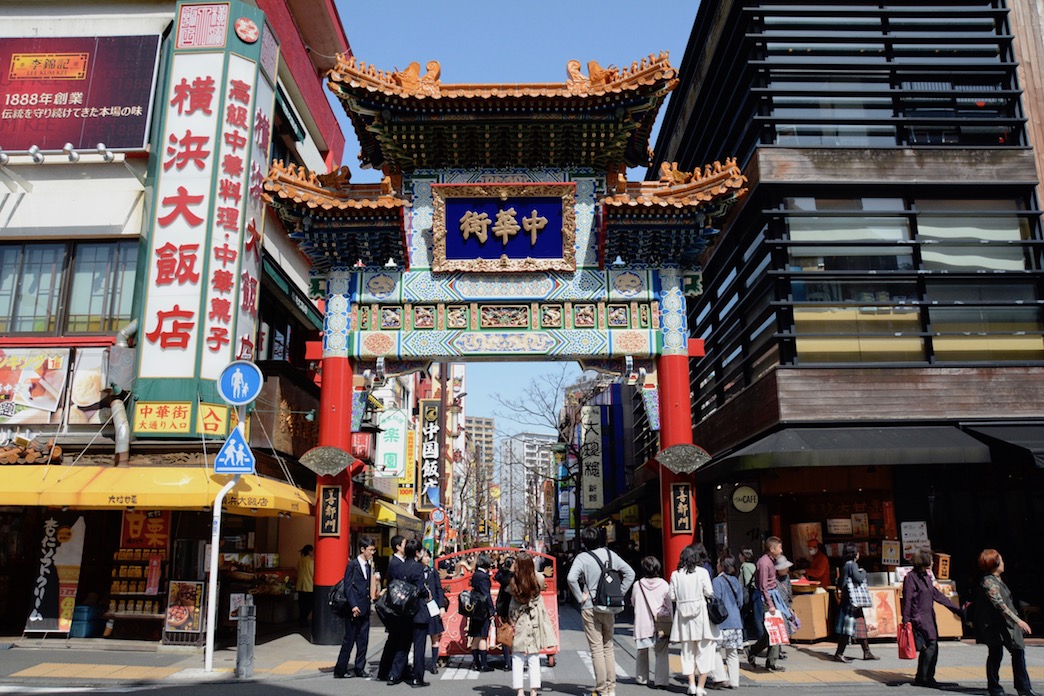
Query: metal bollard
x=245 y=633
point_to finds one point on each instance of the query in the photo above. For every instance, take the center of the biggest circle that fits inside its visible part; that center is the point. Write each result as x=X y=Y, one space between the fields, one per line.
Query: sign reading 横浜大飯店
x=504 y=227
x=203 y=275
x=78 y=90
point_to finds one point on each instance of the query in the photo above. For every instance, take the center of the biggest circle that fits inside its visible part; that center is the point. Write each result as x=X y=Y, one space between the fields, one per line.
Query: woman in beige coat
x=533 y=629
x=690 y=587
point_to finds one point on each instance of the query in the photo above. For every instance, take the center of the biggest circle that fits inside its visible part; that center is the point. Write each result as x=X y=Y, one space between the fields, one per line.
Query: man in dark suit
x=407 y=630
x=358 y=589
x=398 y=543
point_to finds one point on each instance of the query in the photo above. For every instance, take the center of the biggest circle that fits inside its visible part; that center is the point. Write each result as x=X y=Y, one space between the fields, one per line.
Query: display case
x=137 y=593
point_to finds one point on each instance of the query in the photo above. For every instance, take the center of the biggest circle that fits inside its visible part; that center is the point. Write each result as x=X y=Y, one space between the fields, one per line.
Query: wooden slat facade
x=838 y=396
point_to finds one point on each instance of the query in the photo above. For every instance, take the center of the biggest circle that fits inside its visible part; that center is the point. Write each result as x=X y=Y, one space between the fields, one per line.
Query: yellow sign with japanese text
x=162 y=417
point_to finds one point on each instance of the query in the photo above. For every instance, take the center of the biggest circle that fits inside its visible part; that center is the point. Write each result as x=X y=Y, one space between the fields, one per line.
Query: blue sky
x=508 y=42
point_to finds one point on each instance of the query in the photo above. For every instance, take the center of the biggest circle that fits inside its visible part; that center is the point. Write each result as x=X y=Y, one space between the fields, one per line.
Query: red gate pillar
x=672 y=372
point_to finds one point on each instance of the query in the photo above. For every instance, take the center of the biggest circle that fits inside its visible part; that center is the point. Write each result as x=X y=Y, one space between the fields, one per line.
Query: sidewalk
x=100 y=661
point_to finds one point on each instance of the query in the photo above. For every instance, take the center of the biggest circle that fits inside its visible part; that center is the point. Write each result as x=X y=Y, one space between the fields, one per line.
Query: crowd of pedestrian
x=713 y=612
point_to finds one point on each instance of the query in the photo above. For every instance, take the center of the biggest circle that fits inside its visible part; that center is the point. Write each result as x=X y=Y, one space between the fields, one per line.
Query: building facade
x=120 y=298
x=871 y=313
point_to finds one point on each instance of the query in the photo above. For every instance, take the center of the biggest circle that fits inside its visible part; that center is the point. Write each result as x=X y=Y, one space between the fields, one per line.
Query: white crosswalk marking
x=461 y=672
x=585 y=657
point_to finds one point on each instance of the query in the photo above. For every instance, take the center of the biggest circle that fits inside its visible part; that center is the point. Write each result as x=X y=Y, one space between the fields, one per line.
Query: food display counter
x=812 y=610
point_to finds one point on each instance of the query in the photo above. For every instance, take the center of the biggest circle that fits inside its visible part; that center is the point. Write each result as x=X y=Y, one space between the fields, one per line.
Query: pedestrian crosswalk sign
x=235 y=456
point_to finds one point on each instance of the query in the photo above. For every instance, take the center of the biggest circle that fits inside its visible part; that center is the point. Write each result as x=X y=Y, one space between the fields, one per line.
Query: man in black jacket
x=358 y=590
x=398 y=543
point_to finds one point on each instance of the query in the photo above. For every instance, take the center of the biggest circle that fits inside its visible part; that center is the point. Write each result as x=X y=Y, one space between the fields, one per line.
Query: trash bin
x=87 y=622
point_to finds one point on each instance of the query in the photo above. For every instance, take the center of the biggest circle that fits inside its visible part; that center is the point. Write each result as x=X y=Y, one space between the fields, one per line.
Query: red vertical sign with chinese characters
x=204 y=260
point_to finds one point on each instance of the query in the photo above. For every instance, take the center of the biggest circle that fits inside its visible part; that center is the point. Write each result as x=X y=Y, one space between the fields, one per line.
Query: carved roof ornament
x=410 y=83
x=326 y=191
x=715 y=182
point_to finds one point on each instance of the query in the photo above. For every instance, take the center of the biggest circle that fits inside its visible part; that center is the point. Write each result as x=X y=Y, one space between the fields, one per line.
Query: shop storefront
x=840 y=486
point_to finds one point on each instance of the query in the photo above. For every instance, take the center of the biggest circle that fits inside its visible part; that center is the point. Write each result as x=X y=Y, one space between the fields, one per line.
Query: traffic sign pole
x=212 y=588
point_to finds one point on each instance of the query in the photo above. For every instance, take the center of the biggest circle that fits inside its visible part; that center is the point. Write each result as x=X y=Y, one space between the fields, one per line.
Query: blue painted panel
x=517 y=246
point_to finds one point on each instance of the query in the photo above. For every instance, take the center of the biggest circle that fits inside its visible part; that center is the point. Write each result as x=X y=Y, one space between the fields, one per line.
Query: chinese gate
x=505 y=229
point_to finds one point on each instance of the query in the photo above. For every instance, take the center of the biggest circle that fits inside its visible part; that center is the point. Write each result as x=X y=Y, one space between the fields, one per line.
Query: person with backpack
x=398 y=557
x=481 y=615
x=1000 y=627
x=606 y=580
x=358 y=592
x=410 y=625
x=653 y=612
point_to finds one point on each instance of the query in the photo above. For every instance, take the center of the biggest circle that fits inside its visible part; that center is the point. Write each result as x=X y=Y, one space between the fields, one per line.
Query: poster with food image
x=32 y=383
x=86 y=387
x=184 y=607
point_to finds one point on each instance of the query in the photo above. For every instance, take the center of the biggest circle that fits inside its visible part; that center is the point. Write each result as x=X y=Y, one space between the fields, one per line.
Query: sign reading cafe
x=504 y=227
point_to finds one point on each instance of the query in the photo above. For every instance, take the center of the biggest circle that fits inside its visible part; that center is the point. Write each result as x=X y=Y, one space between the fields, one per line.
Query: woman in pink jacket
x=653 y=611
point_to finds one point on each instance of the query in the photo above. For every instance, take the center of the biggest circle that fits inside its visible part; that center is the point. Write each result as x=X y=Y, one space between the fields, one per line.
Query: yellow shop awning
x=154 y=488
x=392 y=515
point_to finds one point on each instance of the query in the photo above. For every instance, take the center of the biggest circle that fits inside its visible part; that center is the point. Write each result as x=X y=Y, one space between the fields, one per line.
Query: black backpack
x=609 y=593
x=338 y=602
x=399 y=601
x=465 y=603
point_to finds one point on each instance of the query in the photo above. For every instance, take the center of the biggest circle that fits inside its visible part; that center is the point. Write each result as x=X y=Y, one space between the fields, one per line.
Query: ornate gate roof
x=406 y=121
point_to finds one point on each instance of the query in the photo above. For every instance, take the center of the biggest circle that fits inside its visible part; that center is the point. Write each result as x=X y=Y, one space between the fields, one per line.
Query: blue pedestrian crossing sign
x=240 y=382
x=235 y=456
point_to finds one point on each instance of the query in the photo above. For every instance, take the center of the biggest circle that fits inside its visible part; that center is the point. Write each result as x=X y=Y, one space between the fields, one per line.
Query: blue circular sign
x=240 y=382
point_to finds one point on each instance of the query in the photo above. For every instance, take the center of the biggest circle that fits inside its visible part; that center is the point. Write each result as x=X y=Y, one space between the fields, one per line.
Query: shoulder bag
x=661 y=620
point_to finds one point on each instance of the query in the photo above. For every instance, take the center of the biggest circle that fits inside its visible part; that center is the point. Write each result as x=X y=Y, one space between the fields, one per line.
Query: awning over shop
x=362 y=518
x=154 y=488
x=892 y=446
x=392 y=515
x=1025 y=441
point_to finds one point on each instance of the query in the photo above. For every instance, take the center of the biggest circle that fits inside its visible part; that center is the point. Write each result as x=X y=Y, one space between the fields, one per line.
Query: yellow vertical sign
x=409 y=471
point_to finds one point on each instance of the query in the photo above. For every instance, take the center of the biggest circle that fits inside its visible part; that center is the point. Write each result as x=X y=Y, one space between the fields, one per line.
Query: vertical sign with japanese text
x=329 y=511
x=391 y=444
x=407 y=487
x=58 y=574
x=431 y=453
x=202 y=278
x=683 y=516
x=591 y=461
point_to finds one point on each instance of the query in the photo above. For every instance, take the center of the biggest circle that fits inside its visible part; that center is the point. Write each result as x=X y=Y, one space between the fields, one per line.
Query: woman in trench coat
x=690 y=587
x=529 y=617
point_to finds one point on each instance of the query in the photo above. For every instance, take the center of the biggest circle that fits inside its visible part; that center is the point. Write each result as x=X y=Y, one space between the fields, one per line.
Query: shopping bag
x=907 y=648
x=776 y=627
x=859 y=594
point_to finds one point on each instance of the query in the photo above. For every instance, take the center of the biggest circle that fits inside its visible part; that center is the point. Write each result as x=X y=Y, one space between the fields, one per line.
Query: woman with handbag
x=919 y=597
x=652 y=623
x=436 y=627
x=481 y=616
x=851 y=626
x=690 y=588
x=727 y=587
x=533 y=631
x=999 y=626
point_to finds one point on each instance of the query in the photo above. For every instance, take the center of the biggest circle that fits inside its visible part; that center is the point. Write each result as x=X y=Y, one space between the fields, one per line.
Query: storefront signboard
x=391 y=444
x=145 y=529
x=915 y=536
x=184 y=607
x=329 y=511
x=591 y=447
x=79 y=90
x=431 y=453
x=58 y=574
x=407 y=487
x=745 y=499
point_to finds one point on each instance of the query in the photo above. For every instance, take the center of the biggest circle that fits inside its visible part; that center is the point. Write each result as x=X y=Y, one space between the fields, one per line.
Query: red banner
x=76 y=90
x=146 y=529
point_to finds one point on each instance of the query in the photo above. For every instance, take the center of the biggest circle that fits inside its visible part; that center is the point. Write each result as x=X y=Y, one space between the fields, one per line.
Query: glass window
x=36 y=297
x=865 y=291
x=858 y=334
x=963 y=237
x=826 y=258
x=39 y=296
x=986 y=333
x=102 y=287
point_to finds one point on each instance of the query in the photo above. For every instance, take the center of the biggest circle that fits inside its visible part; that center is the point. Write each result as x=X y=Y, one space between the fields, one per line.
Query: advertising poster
x=32 y=381
x=58 y=574
x=86 y=387
x=184 y=607
x=890 y=552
